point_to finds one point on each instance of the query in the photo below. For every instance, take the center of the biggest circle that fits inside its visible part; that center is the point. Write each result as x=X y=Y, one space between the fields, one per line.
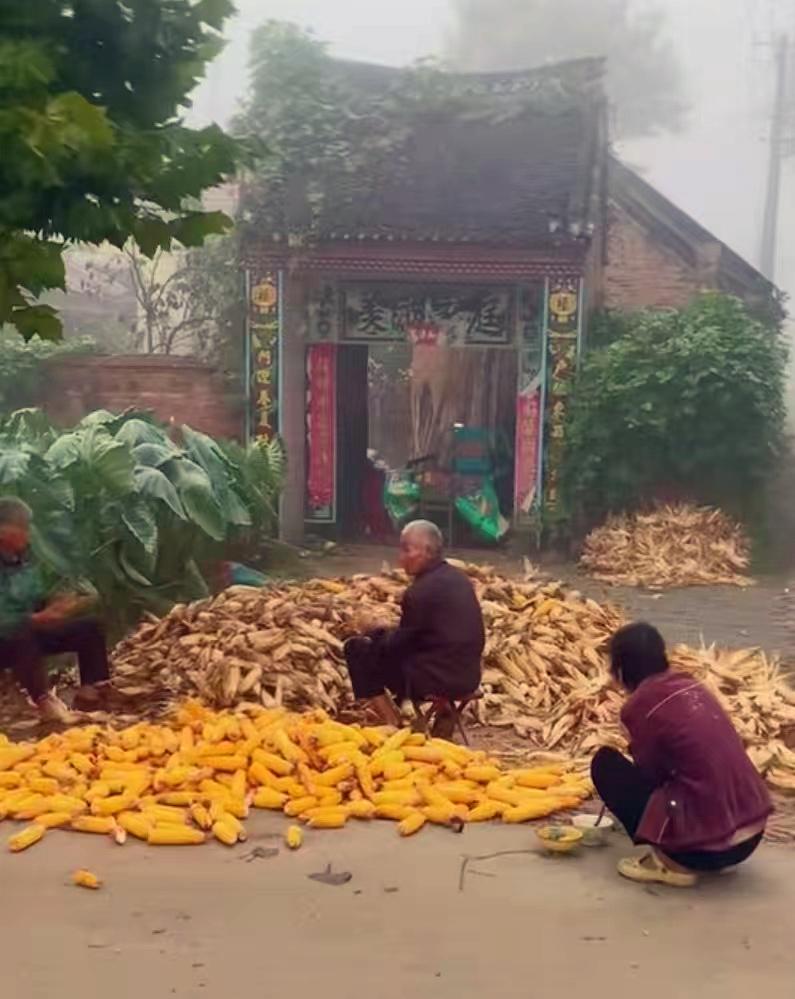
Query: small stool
x=441 y=704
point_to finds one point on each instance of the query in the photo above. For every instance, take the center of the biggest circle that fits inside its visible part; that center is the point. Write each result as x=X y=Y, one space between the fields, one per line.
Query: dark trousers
x=372 y=670
x=25 y=653
x=626 y=792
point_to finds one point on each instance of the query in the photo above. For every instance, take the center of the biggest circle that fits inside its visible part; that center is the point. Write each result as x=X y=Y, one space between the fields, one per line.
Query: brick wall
x=641 y=272
x=176 y=389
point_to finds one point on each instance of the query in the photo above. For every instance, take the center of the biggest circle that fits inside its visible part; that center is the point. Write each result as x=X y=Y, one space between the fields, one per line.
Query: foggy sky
x=715 y=169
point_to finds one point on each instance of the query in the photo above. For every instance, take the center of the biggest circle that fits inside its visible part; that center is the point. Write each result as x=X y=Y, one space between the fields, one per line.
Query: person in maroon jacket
x=690 y=792
x=436 y=648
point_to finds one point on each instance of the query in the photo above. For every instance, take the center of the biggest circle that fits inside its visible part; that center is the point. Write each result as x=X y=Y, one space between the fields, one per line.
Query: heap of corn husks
x=679 y=545
x=196 y=778
x=545 y=674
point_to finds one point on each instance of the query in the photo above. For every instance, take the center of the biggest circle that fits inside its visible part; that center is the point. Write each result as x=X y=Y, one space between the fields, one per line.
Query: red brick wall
x=178 y=389
x=640 y=272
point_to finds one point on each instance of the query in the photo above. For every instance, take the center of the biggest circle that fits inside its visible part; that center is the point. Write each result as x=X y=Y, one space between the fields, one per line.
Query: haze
x=715 y=168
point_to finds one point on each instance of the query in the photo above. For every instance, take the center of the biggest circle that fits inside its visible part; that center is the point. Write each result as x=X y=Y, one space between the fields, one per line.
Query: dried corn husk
x=544 y=677
x=679 y=545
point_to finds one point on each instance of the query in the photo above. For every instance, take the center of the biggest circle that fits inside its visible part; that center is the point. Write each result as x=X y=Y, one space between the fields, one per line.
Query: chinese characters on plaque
x=463 y=314
x=562 y=355
x=264 y=332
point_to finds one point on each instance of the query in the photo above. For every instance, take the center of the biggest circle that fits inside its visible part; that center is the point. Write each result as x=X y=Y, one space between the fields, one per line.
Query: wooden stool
x=441 y=704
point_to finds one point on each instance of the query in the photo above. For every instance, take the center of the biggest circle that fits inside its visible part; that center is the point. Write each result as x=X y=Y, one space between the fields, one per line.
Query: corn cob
x=266 y=797
x=201 y=816
x=412 y=823
x=135 y=824
x=224 y=833
x=100 y=824
x=294 y=837
x=175 y=835
x=328 y=818
x=26 y=837
x=85 y=879
x=53 y=820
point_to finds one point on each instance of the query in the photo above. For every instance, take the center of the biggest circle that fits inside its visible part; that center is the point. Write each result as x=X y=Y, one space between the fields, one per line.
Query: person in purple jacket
x=690 y=792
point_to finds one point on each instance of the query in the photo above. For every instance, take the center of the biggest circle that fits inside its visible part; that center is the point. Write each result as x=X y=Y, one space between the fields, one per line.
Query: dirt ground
x=762 y=615
x=204 y=922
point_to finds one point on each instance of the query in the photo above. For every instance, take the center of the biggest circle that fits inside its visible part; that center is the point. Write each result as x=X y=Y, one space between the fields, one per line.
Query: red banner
x=321 y=424
x=528 y=428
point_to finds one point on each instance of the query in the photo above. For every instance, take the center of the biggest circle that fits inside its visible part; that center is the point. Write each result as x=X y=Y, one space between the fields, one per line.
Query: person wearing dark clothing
x=35 y=624
x=436 y=648
x=690 y=792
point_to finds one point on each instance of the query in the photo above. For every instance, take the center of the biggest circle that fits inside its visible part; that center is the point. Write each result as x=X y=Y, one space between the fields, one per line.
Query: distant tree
x=644 y=79
x=187 y=302
x=93 y=144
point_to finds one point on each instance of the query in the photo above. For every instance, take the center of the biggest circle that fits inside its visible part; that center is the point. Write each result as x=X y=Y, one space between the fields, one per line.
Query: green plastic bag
x=401 y=497
x=480 y=508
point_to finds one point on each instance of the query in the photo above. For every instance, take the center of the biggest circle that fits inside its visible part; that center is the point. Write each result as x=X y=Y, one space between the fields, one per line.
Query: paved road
x=200 y=923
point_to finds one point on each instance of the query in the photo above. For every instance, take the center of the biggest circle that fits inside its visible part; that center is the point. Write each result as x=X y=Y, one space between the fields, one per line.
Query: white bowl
x=593 y=835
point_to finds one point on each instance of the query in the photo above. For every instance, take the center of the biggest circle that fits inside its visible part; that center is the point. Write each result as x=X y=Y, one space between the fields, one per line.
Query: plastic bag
x=480 y=508
x=401 y=497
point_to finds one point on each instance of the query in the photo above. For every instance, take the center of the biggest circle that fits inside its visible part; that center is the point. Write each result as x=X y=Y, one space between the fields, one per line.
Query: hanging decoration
x=321 y=430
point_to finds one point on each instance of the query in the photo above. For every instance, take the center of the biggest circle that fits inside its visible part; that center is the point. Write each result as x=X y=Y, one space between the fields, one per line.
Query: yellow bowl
x=559 y=839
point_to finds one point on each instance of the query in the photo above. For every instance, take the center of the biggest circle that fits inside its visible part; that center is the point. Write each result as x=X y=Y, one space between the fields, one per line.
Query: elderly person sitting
x=436 y=648
x=35 y=624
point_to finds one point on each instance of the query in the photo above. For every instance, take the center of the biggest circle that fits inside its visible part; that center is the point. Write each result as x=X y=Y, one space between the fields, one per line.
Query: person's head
x=420 y=546
x=637 y=651
x=15 y=517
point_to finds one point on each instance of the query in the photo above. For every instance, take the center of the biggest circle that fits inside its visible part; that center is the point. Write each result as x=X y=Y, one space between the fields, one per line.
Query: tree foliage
x=644 y=78
x=117 y=503
x=188 y=302
x=23 y=369
x=683 y=404
x=94 y=148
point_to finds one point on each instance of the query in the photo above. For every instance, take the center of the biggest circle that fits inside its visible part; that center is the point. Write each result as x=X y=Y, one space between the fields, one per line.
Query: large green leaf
x=64 y=451
x=237 y=512
x=108 y=459
x=141 y=522
x=153 y=455
x=98 y=418
x=205 y=452
x=151 y=482
x=203 y=509
x=14 y=465
x=137 y=431
x=28 y=425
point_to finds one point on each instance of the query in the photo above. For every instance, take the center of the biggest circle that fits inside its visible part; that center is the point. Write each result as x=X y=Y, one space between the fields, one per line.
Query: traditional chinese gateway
x=429 y=330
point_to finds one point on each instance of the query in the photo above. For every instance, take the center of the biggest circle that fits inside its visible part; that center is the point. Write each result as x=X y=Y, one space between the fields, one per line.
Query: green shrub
x=685 y=404
x=22 y=366
x=117 y=503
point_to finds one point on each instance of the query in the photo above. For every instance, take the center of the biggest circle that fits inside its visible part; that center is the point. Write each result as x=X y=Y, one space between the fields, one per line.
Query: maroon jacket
x=707 y=789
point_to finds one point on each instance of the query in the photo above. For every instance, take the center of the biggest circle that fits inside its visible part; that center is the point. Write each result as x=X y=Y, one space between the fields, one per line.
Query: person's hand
x=367 y=622
x=60 y=609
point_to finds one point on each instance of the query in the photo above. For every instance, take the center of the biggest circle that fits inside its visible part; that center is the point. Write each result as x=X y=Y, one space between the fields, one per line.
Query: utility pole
x=777 y=137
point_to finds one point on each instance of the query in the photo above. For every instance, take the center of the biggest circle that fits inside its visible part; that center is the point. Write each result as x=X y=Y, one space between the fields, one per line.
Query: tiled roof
x=523 y=166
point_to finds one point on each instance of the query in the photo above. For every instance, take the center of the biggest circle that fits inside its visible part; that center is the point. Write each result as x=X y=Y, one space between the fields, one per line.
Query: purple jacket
x=707 y=789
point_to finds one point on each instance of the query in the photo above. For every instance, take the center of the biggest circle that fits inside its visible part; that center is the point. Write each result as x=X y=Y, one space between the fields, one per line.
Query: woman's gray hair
x=14 y=511
x=428 y=532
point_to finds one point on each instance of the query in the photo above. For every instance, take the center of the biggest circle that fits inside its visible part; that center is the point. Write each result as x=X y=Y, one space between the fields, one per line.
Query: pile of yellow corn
x=177 y=783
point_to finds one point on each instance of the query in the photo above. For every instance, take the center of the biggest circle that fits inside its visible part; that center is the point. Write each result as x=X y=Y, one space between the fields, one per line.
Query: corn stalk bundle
x=672 y=546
